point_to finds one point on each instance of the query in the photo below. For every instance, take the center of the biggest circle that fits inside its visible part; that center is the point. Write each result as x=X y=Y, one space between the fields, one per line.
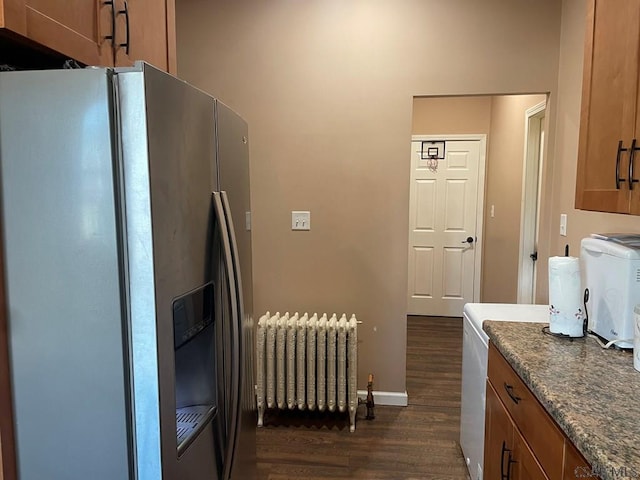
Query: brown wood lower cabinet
x=498 y=441
x=527 y=467
x=507 y=456
x=522 y=442
x=575 y=466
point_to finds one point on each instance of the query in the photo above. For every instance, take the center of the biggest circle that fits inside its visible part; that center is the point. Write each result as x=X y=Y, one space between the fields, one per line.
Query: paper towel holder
x=564 y=336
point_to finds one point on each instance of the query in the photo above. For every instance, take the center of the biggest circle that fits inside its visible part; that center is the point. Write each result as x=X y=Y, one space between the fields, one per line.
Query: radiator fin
x=311 y=361
x=321 y=381
x=292 y=330
x=341 y=353
x=301 y=364
x=261 y=387
x=270 y=350
x=281 y=343
x=352 y=371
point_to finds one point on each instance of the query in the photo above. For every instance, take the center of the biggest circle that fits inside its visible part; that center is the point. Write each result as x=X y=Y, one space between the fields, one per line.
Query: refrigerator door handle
x=235 y=334
x=235 y=425
x=236 y=259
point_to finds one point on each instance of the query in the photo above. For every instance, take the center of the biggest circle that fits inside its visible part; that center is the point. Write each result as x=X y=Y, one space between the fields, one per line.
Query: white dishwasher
x=475 y=346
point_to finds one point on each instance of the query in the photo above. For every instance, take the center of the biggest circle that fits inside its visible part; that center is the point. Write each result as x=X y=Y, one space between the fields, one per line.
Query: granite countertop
x=593 y=394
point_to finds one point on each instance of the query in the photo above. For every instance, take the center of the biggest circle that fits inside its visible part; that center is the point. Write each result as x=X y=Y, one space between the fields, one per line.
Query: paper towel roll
x=565 y=296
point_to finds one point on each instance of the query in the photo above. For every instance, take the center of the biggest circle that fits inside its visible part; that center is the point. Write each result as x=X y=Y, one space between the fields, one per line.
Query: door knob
x=469 y=240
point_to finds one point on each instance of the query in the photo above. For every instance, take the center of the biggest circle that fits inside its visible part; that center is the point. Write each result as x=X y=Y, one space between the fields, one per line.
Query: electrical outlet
x=563 y=224
x=300 y=220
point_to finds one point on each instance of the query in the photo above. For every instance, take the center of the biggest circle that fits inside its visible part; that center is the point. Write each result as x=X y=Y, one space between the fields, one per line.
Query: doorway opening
x=499 y=229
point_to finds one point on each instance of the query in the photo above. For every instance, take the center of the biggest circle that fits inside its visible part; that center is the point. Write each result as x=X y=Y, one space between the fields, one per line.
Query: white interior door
x=531 y=186
x=445 y=211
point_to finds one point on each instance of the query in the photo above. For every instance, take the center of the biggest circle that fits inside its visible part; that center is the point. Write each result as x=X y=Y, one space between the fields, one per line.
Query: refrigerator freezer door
x=168 y=162
x=64 y=296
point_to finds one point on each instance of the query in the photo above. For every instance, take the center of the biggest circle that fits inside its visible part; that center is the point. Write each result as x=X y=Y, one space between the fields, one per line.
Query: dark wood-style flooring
x=420 y=441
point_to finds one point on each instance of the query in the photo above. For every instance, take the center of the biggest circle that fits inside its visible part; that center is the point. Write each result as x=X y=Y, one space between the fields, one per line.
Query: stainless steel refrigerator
x=127 y=253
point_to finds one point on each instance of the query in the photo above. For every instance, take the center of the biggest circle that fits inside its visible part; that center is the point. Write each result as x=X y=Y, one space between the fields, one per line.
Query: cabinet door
x=148 y=28
x=526 y=466
x=543 y=436
x=498 y=440
x=77 y=28
x=634 y=168
x=574 y=465
x=12 y=17
x=609 y=100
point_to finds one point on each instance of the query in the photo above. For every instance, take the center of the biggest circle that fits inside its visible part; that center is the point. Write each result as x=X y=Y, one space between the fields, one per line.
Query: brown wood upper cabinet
x=144 y=32
x=608 y=150
x=98 y=32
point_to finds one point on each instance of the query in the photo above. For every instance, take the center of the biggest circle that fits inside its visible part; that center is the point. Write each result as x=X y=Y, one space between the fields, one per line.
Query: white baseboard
x=396 y=399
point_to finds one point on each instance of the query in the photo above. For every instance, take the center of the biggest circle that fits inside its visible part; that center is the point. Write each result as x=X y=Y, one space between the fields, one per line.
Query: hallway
x=415 y=442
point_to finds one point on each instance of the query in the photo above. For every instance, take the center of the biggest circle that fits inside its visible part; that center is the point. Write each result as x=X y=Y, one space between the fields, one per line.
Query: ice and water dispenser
x=195 y=364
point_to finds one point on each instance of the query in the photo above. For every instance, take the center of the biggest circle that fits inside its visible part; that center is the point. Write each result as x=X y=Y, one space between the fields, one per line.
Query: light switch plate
x=300 y=220
x=563 y=224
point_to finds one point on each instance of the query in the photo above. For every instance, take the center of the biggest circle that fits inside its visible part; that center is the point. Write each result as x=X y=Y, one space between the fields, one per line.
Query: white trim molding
x=532 y=168
x=396 y=399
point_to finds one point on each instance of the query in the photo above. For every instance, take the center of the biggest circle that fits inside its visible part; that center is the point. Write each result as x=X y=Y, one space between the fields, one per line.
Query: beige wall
x=451 y=115
x=579 y=223
x=327 y=87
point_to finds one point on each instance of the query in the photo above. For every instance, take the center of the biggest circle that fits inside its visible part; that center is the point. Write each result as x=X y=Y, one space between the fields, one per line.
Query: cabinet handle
x=504 y=449
x=618 y=179
x=509 y=390
x=126 y=19
x=111 y=37
x=632 y=149
x=504 y=476
x=511 y=461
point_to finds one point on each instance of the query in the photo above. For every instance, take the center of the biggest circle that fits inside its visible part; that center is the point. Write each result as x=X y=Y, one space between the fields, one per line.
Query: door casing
x=530 y=204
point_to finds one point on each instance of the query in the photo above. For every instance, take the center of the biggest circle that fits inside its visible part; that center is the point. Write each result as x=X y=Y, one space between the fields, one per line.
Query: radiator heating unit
x=307 y=362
